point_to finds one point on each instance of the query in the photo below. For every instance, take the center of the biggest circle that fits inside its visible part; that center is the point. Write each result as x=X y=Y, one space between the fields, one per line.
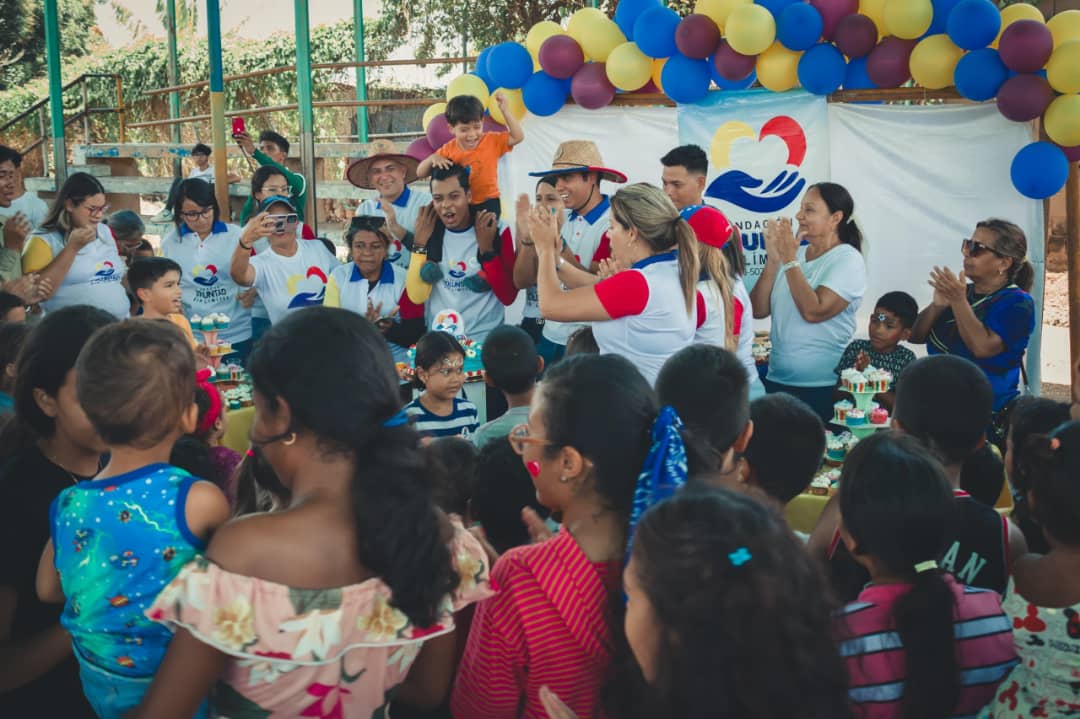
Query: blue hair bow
x=397 y=420
x=664 y=470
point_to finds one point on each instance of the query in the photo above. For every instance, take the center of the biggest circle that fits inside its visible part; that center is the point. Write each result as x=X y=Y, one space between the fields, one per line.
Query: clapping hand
x=392 y=225
x=521 y=219
x=16 y=230
x=780 y=241
x=544 y=230
x=486 y=225
x=949 y=289
x=608 y=268
x=425 y=226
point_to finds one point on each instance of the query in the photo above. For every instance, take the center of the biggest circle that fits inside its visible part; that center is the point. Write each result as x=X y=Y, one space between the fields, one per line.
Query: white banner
x=764 y=149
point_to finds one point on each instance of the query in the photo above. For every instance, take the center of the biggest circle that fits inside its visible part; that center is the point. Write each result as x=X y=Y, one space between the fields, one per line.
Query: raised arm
x=513 y=127
x=977 y=337
x=577 y=305
x=418 y=290
x=240 y=266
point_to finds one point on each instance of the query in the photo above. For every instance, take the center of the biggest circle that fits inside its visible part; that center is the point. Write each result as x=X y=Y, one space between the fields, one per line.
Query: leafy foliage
x=22 y=37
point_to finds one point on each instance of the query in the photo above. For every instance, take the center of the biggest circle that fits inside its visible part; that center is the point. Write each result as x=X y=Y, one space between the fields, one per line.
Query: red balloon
x=591 y=88
x=560 y=56
x=438 y=131
x=1026 y=46
x=420 y=149
x=696 y=36
x=731 y=65
x=855 y=36
x=832 y=11
x=888 y=63
x=1024 y=97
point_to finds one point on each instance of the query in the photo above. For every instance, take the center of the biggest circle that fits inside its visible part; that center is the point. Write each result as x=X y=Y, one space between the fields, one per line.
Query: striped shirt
x=461 y=422
x=546 y=626
x=875 y=655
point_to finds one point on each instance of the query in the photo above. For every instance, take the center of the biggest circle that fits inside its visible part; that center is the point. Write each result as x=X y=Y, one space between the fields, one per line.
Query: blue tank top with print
x=118 y=542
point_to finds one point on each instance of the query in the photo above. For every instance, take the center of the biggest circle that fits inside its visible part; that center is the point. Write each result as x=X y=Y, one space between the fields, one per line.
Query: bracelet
x=246 y=247
x=419 y=250
x=788 y=265
x=526 y=244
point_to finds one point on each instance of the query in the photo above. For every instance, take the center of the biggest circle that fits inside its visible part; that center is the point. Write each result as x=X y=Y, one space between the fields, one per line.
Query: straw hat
x=357 y=173
x=580 y=156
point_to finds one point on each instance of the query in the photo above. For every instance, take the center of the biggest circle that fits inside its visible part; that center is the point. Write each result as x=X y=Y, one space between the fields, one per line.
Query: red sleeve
x=306 y=233
x=500 y=270
x=834 y=543
x=702 y=310
x=407 y=309
x=624 y=294
x=603 y=252
x=736 y=316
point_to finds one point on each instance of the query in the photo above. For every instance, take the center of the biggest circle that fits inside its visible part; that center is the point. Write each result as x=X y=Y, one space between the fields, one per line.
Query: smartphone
x=282 y=221
x=238 y=126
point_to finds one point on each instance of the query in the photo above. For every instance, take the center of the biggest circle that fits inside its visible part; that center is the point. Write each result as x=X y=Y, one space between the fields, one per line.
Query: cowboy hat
x=357 y=173
x=580 y=156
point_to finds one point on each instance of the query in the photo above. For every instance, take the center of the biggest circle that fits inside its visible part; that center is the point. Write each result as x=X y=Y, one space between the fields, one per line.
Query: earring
x=564 y=480
x=290 y=441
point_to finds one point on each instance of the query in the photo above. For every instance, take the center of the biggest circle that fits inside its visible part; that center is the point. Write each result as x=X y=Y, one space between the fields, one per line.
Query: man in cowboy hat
x=578 y=170
x=389 y=173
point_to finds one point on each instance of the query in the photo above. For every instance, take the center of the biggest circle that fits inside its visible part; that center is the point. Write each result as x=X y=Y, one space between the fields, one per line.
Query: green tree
x=22 y=36
x=187 y=17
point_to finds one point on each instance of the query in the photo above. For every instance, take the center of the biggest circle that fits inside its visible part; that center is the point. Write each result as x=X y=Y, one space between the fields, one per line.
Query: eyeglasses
x=368 y=223
x=974 y=248
x=197 y=215
x=278 y=190
x=99 y=210
x=519 y=437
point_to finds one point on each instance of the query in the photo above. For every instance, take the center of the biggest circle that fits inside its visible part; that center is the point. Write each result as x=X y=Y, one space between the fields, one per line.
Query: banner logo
x=741 y=187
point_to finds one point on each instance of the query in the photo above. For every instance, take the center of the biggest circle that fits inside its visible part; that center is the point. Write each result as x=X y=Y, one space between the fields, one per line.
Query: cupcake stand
x=864 y=402
x=231 y=381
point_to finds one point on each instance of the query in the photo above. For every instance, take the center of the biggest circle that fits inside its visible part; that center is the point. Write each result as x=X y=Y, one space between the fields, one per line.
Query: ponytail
x=850 y=234
x=715 y=263
x=1012 y=243
x=924 y=621
x=1022 y=274
x=689 y=269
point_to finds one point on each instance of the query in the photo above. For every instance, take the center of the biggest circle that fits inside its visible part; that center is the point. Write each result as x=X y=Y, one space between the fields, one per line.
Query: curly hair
x=746 y=639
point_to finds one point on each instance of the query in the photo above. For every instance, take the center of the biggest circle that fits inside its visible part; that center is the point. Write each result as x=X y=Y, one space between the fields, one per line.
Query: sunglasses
x=974 y=248
x=368 y=223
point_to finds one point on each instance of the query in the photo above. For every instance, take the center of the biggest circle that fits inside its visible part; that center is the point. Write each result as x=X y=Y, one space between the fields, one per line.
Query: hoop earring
x=290 y=441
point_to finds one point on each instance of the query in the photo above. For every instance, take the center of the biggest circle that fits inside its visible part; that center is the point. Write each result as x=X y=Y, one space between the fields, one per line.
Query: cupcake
x=222 y=374
x=856 y=417
x=819 y=486
x=878 y=416
x=841 y=409
x=849 y=440
x=196 y=322
x=207 y=324
x=853 y=380
x=221 y=321
x=834 y=448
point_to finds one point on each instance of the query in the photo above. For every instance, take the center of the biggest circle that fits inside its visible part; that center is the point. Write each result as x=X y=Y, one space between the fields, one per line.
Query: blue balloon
x=1039 y=170
x=980 y=74
x=776 y=6
x=628 y=11
x=974 y=24
x=940 y=24
x=654 y=32
x=821 y=69
x=543 y=94
x=856 y=77
x=685 y=80
x=799 y=26
x=509 y=65
x=481 y=69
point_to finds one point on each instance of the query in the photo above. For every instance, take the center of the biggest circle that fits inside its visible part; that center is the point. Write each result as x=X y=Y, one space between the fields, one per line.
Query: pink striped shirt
x=546 y=626
x=876 y=660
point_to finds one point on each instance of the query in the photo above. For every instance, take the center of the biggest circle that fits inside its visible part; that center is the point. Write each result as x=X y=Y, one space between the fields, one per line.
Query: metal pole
x=172 y=73
x=307 y=111
x=56 y=93
x=465 y=37
x=1072 y=247
x=217 y=106
x=361 y=71
x=86 y=113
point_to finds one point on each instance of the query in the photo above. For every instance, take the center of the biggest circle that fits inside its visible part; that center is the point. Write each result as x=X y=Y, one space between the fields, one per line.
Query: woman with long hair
x=715 y=301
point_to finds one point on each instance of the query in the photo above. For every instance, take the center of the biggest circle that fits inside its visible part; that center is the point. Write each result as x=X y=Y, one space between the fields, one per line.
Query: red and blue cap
x=711 y=226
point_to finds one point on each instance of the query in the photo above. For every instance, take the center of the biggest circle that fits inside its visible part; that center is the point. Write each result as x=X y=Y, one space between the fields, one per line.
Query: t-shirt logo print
x=104 y=269
x=309 y=290
x=457 y=270
x=205 y=276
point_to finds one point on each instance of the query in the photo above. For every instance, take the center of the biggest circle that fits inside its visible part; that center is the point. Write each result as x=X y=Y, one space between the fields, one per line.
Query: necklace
x=74 y=477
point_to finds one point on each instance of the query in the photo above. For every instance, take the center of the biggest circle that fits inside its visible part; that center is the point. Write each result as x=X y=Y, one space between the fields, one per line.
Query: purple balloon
x=560 y=56
x=438 y=131
x=888 y=64
x=1072 y=154
x=591 y=88
x=855 y=36
x=731 y=65
x=697 y=36
x=832 y=11
x=491 y=125
x=1026 y=46
x=420 y=149
x=1024 y=97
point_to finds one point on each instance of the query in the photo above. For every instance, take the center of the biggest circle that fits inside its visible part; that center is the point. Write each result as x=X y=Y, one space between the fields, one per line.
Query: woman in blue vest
x=984 y=313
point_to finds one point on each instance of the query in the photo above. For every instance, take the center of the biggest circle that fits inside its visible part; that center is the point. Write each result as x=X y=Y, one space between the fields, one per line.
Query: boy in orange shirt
x=476 y=149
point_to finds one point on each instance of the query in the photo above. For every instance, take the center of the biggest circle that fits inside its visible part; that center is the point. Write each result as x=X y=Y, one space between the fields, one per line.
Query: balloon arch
x=1031 y=66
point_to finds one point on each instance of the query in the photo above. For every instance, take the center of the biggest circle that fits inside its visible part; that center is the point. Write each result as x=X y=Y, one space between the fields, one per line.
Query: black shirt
x=28 y=484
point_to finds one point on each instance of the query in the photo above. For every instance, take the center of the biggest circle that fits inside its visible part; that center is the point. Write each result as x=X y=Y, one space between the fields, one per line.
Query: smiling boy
x=890 y=324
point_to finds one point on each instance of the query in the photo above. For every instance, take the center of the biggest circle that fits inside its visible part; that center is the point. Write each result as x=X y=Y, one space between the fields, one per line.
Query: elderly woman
x=371 y=285
x=988 y=320
x=812 y=292
x=75 y=252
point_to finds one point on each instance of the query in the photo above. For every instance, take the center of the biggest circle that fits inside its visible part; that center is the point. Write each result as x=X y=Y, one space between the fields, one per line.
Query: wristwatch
x=418 y=250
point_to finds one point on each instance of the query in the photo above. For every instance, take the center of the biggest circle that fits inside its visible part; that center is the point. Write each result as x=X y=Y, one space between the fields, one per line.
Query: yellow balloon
x=431 y=112
x=933 y=62
x=597 y=34
x=778 y=68
x=1062 y=120
x=467 y=85
x=751 y=29
x=719 y=10
x=875 y=10
x=1012 y=13
x=1065 y=26
x=657 y=71
x=908 y=19
x=514 y=103
x=1063 y=69
x=539 y=32
x=628 y=68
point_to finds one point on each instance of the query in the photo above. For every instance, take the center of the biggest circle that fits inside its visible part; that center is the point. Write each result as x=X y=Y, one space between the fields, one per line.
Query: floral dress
x=1046 y=683
x=330 y=653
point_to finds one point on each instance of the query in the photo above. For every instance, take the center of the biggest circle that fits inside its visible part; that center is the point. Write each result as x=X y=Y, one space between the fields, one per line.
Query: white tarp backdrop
x=921 y=177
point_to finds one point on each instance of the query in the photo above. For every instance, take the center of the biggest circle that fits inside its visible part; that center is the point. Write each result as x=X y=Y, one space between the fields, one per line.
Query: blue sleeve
x=1012 y=319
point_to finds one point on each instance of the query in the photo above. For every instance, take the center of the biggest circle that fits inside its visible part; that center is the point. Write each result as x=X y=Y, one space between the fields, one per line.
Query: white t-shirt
x=481 y=312
x=586 y=236
x=354 y=291
x=649 y=318
x=713 y=326
x=744 y=312
x=30 y=205
x=406 y=208
x=207 y=174
x=293 y=283
x=804 y=354
x=205 y=280
x=95 y=275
